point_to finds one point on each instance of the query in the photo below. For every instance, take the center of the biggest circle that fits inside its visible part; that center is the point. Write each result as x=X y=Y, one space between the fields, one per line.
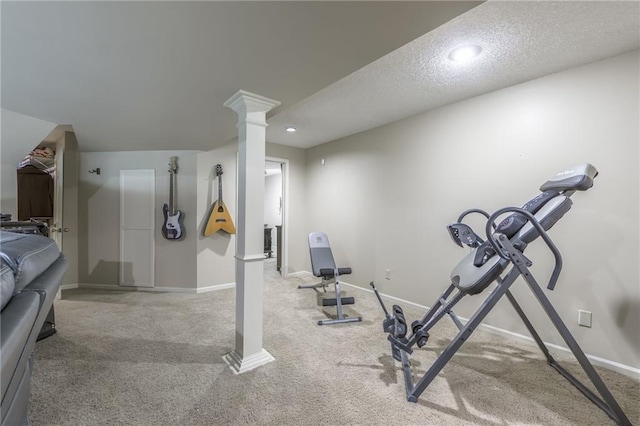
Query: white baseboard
x=215 y=287
x=299 y=274
x=627 y=370
x=155 y=289
x=68 y=286
x=611 y=365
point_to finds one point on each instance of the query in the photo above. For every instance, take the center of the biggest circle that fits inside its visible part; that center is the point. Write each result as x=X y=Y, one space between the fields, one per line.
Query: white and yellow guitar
x=172 y=228
x=219 y=220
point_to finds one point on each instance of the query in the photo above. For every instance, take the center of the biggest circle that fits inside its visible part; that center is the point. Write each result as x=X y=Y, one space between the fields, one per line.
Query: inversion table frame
x=401 y=347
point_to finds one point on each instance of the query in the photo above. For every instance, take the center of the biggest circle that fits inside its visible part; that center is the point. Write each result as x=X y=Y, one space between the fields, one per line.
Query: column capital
x=246 y=102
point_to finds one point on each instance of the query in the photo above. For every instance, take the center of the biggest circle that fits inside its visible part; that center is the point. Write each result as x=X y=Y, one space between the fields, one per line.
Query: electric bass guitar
x=172 y=228
x=219 y=220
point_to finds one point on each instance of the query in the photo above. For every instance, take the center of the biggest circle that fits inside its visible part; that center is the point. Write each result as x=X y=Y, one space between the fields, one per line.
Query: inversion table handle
x=556 y=253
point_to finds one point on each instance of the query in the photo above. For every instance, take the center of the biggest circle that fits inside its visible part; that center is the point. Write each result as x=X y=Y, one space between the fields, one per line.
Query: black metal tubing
x=466 y=212
x=375 y=290
x=442 y=307
x=529 y=326
x=611 y=406
x=608 y=403
x=408 y=376
x=445 y=294
x=443 y=311
x=505 y=249
x=587 y=392
x=554 y=250
x=464 y=334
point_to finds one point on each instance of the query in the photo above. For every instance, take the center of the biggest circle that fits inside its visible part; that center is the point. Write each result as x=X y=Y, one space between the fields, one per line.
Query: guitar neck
x=172 y=205
x=220 y=189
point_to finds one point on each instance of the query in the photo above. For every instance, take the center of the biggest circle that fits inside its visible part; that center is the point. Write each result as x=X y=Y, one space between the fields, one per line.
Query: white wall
x=197 y=262
x=384 y=197
x=215 y=254
x=99 y=216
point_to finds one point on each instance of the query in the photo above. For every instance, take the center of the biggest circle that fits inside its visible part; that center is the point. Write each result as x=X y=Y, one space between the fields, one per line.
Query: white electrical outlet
x=387 y=274
x=584 y=318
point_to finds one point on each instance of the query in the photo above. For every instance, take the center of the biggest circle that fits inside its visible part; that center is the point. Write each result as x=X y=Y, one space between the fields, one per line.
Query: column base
x=240 y=365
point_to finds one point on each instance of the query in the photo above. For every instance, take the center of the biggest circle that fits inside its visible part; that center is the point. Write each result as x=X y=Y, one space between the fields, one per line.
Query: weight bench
x=324 y=267
x=503 y=248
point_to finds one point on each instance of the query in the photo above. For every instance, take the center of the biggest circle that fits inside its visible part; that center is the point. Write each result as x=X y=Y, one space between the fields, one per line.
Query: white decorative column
x=251 y=109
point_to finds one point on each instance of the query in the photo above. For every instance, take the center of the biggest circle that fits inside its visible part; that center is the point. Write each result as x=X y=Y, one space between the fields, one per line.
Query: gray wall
x=197 y=262
x=99 y=216
x=216 y=264
x=384 y=197
x=215 y=254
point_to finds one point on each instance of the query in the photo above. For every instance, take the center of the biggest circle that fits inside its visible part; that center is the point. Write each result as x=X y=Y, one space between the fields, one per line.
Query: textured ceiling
x=520 y=41
x=155 y=75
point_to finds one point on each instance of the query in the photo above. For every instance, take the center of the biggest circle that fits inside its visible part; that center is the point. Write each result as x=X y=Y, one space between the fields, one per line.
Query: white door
x=137 y=236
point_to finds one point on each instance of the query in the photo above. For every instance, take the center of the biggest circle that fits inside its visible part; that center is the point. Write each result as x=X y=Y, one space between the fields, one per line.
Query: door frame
x=285 y=212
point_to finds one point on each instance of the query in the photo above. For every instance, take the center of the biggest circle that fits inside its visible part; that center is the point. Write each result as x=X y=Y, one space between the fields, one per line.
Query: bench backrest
x=320 y=250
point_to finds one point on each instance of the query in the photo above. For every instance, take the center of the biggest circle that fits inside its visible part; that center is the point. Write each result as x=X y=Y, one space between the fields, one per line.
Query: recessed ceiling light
x=290 y=129
x=464 y=53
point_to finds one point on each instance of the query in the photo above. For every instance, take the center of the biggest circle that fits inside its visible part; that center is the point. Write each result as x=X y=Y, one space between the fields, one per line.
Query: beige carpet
x=137 y=358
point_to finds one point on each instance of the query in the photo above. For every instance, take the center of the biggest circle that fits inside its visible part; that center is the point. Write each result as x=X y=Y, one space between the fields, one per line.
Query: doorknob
x=59 y=229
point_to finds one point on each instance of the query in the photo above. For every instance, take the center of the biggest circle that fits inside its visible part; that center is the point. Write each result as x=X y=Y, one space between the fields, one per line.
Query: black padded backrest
x=515 y=221
x=321 y=256
x=481 y=267
x=541 y=206
x=550 y=213
x=577 y=178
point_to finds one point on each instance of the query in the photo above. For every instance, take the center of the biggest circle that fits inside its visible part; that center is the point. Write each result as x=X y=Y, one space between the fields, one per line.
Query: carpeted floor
x=137 y=358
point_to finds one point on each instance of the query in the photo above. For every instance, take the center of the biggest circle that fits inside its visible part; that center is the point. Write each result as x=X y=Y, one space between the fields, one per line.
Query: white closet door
x=137 y=225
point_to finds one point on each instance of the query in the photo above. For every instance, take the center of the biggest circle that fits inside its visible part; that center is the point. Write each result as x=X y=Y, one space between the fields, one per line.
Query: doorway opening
x=275 y=217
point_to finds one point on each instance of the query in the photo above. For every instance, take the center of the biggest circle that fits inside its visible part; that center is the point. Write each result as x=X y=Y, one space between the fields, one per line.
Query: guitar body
x=219 y=220
x=172 y=227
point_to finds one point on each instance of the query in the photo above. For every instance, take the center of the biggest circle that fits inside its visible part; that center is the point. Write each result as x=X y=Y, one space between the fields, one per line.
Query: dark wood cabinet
x=35 y=193
x=278 y=247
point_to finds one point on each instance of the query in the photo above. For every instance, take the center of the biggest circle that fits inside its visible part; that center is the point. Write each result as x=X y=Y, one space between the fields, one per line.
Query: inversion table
x=484 y=265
